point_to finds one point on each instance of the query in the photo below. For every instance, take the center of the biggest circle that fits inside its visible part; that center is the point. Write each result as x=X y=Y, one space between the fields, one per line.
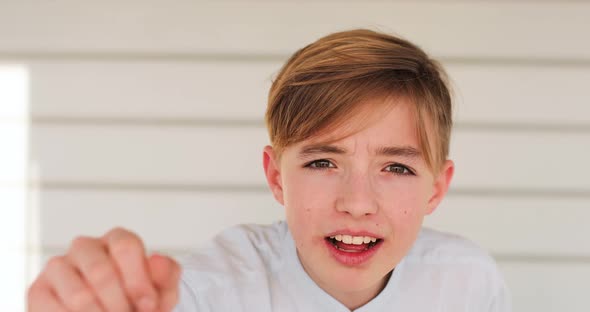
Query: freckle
x=376 y=224
x=405 y=212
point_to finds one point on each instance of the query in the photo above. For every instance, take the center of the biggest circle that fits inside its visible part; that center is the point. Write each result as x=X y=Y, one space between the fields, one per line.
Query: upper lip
x=354 y=233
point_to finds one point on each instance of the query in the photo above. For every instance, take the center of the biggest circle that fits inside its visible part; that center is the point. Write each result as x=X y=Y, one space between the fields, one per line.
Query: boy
x=360 y=125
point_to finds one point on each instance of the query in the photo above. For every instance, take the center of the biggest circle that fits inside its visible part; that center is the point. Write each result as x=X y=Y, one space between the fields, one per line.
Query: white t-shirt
x=256 y=268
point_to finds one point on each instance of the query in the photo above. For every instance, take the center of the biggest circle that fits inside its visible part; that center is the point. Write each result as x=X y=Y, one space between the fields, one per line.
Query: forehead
x=373 y=126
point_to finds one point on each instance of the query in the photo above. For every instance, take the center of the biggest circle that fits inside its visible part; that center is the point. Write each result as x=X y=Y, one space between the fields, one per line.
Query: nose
x=357 y=196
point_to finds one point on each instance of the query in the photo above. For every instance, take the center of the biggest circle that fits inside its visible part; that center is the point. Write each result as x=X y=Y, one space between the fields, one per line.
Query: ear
x=273 y=173
x=441 y=185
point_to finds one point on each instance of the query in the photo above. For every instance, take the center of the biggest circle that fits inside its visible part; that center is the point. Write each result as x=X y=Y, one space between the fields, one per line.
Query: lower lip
x=352 y=258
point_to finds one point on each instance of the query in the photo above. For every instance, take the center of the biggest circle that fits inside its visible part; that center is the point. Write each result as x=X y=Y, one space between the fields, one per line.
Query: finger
x=127 y=251
x=90 y=256
x=41 y=298
x=69 y=286
x=165 y=274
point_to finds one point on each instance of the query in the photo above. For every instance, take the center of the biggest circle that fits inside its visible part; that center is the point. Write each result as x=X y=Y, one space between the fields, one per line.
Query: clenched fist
x=110 y=273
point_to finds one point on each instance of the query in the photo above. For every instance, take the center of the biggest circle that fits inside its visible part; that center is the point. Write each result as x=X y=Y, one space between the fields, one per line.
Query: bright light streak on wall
x=14 y=116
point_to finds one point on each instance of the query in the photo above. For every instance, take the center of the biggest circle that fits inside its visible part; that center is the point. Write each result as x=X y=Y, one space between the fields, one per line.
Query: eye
x=320 y=164
x=399 y=169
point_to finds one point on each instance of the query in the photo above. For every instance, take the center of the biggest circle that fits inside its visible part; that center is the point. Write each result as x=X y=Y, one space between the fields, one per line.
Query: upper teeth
x=355 y=240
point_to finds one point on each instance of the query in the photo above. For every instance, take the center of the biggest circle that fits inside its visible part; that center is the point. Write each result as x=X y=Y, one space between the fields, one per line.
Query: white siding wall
x=148 y=115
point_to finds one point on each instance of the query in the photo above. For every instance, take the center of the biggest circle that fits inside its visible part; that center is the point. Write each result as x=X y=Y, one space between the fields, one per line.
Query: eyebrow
x=402 y=151
x=399 y=151
x=311 y=150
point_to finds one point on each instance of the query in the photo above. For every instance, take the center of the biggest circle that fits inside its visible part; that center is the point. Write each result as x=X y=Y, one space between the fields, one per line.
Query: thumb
x=165 y=273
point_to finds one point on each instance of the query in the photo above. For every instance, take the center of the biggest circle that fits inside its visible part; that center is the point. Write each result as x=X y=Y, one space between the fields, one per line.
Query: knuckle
x=55 y=263
x=34 y=291
x=139 y=286
x=80 y=300
x=118 y=231
x=126 y=244
x=81 y=242
x=101 y=274
x=136 y=289
x=135 y=293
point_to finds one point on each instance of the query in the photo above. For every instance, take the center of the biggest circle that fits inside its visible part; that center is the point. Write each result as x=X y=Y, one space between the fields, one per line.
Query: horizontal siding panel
x=138 y=90
x=180 y=221
x=525 y=226
x=147 y=155
x=165 y=221
x=522 y=160
x=237 y=90
x=501 y=93
x=232 y=156
x=548 y=287
x=494 y=29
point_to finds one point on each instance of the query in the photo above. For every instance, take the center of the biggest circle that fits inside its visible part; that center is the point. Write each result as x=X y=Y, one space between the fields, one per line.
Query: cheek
x=404 y=201
x=307 y=201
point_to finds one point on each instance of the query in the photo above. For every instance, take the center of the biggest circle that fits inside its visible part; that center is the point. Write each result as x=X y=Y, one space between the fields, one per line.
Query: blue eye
x=399 y=169
x=320 y=164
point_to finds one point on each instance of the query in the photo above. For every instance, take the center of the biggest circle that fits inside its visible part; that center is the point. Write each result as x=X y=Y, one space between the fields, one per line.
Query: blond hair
x=320 y=86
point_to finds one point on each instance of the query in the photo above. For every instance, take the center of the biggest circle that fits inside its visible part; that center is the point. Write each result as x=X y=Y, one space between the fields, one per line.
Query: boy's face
x=373 y=183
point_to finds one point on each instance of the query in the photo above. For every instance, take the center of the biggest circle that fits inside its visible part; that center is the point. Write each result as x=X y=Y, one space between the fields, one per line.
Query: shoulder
x=434 y=246
x=453 y=263
x=235 y=255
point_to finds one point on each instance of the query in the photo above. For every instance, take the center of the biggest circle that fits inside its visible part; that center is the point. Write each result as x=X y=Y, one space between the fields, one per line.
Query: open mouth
x=353 y=244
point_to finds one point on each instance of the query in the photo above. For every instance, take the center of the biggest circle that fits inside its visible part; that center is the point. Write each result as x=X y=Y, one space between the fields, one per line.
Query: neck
x=351 y=299
x=356 y=299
